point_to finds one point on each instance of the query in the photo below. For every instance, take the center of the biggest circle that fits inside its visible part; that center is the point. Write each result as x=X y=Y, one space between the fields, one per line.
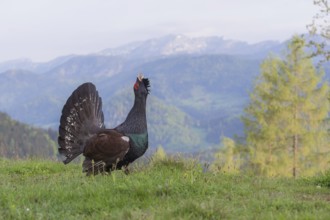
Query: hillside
x=18 y=140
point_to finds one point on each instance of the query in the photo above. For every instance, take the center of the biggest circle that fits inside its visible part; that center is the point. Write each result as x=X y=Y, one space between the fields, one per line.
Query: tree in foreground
x=285 y=122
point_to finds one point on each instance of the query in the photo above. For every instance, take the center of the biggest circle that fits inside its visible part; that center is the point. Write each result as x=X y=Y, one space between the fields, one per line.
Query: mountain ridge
x=197 y=95
x=169 y=45
x=181 y=44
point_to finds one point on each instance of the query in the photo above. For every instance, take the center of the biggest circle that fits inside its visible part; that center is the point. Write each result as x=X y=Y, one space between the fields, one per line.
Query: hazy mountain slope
x=88 y=67
x=207 y=91
x=18 y=140
x=37 y=67
x=213 y=89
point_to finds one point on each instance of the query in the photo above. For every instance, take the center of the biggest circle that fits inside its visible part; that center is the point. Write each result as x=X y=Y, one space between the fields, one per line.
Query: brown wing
x=108 y=146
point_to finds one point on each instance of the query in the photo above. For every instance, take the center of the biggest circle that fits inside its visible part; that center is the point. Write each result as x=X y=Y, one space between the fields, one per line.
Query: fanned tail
x=82 y=117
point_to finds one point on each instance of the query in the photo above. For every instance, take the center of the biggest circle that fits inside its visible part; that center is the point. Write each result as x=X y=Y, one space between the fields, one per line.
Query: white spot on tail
x=125 y=138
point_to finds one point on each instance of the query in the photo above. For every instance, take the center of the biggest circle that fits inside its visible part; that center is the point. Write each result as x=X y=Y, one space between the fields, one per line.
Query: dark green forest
x=18 y=140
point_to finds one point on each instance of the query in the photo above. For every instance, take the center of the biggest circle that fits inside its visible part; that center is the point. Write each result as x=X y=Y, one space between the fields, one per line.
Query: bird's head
x=141 y=86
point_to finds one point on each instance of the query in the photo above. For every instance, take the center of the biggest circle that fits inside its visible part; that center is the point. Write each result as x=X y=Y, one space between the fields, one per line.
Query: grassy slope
x=167 y=190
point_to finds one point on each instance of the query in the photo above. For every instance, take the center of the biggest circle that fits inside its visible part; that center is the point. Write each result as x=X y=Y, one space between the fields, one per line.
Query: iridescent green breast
x=140 y=141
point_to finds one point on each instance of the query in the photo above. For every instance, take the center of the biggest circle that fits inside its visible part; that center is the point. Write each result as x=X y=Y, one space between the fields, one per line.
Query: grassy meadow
x=164 y=189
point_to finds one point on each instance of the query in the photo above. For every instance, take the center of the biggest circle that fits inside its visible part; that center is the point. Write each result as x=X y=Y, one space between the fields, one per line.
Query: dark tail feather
x=81 y=117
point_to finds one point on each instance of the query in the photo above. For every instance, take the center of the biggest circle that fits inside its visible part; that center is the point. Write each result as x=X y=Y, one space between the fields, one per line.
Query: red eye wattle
x=136 y=86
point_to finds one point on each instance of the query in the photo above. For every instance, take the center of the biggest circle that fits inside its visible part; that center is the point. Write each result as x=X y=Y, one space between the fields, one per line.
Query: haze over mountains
x=165 y=46
x=199 y=86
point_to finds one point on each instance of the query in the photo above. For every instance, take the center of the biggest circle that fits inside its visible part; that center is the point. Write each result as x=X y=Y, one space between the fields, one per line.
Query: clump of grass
x=161 y=160
x=323 y=179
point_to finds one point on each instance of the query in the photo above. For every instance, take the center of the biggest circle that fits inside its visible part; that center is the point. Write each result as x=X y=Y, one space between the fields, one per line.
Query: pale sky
x=45 y=29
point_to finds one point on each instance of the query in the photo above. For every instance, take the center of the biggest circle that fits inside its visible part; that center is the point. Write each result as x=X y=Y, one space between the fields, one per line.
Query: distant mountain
x=171 y=45
x=199 y=87
x=180 y=44
x=26 y=64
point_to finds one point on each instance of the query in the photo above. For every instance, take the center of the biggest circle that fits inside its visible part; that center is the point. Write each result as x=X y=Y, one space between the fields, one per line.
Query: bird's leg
x=126 y=170
x=94 y=167
x=99 y=167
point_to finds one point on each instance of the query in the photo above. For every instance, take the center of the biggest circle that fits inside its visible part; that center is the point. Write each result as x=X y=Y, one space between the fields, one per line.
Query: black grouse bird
x=82 y=130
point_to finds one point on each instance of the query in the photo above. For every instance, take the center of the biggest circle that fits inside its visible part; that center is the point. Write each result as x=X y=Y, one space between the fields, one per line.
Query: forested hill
x=18 y=140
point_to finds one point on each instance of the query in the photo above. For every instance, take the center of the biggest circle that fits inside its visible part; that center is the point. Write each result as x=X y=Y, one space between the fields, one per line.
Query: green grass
x=169 y=189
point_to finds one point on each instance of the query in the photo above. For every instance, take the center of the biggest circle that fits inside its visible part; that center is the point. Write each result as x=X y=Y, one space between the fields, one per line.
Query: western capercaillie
x=82 y=130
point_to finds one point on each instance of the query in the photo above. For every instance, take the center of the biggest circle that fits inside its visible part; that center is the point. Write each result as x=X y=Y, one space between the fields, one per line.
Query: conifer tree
x=285 y=120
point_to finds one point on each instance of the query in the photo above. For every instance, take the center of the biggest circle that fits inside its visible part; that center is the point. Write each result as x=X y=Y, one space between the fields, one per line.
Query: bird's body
x=82 y=130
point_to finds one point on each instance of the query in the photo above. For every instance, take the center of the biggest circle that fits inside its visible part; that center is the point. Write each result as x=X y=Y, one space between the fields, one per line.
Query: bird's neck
x=140 y=103
x=138 y=110
x=136 y=121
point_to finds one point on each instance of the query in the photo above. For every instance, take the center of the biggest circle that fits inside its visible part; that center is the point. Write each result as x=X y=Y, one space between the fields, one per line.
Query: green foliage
x=159 y=155
x=18 y=140
x=323 y=180
x=173 y=190
x=228 y=158
x=285 y=120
